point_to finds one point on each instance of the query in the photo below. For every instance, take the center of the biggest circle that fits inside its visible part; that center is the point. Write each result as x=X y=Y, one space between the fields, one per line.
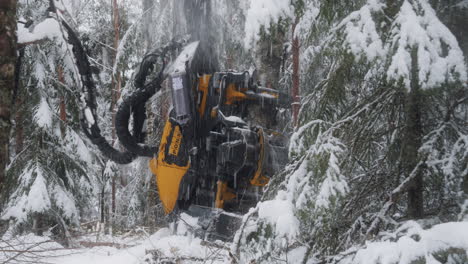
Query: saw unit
x=208 y=155
x=213 y=158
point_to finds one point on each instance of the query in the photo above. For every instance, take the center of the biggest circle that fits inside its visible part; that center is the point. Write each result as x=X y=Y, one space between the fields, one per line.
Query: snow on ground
x=165 y=245
x=113 y=250
x=416 y=244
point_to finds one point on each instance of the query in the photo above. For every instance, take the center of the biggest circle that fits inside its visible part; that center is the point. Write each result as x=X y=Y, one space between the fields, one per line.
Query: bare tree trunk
x=178 y=20
x=102 y=205
x=199 y=25
x=152 y=201
x=465 y=184
x=63 y=116
x=62 y=108
x=148 y=8
x=295 y=75
x=7 y=78
x=19 y=131
x=116 y=82
x=413 y=141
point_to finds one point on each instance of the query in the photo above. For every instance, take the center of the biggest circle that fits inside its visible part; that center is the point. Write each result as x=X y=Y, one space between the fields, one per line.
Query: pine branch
x=393 y=198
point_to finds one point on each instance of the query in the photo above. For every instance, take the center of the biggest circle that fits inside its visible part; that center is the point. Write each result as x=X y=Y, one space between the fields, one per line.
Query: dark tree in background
x=7 y=76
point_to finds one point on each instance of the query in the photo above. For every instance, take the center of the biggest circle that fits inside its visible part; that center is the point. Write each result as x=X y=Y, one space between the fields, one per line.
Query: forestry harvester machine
x=209 y=163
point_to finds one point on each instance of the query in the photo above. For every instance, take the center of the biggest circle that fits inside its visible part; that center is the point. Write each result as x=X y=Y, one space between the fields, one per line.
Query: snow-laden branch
x=415 y=26
x=47 y=29
x=261 y=13
x=393 y=198
x=411 y=243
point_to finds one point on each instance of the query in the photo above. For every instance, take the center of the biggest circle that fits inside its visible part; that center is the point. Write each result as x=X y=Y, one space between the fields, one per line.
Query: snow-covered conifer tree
x=51 y=179
x=381 y=137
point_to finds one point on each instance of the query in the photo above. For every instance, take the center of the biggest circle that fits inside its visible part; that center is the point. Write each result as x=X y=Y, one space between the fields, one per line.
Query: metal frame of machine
x=208 y=156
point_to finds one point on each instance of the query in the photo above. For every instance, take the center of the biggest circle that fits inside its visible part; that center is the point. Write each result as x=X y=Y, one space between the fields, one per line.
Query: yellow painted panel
x=176 y=141
x=259 y=179
x=168 y=176
x=223 y=193
x=203 y=84
x=232 y=95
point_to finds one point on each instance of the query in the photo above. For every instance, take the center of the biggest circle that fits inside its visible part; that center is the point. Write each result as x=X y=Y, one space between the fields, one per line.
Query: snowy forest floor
x=160 y=247
x=410 y=242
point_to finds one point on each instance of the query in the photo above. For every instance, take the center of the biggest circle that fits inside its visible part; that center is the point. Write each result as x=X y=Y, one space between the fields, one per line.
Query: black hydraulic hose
x=135 y=104
x=139 y=111
x=92 y=130
x=139 y=117
x=147 y=65
x=138 y=98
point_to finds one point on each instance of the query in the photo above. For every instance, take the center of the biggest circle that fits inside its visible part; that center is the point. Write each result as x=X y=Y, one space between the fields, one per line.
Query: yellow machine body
x=203 y=88
x=169 y=175
x=173 y=162
x=259 y=179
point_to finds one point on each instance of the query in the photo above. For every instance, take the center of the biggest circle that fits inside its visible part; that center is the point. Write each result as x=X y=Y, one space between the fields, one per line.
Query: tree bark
x=102 y=202
x=412 y=143
x=116 y=82
x=179 y=24
x=199 y=24
x=295 y=75
x=465 y=184
x=148 y=8
x=19 y=130
x=7 y=78
x=62 y=108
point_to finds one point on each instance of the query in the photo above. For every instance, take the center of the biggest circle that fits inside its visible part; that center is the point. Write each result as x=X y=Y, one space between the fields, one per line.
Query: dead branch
x=90 y=244
x=37 y=41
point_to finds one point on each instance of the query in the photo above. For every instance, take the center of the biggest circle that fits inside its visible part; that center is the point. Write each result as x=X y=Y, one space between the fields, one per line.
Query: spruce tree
x=379 y=119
